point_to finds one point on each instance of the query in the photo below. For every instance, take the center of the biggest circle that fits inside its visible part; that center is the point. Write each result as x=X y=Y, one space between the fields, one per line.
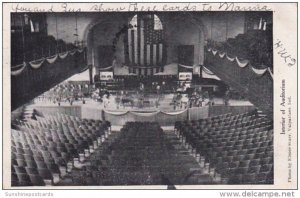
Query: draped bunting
x=240 y=63
x=230 y=59
x=163 y=118
x=186 y=66
x=222 y=54
x=52 y=59
x=207 y=71
x=37 y=63
x=144 y=113
x=19 y=71
x=63 y=55
x=106 y=68
x=259 y=71
x=80 y=50
x=72 y=52
x=270 y=72
x=209 y=74
x=174 y=113
x=214 y=52
x=243 y=63
x=116 y=112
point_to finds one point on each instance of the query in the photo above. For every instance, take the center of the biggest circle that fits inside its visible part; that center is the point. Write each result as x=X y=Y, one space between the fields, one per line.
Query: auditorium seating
x=45 y=150
x=142 y=154
x=239 y=148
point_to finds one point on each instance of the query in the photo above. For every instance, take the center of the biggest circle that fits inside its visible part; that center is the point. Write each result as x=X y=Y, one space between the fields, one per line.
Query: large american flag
x=145 y=41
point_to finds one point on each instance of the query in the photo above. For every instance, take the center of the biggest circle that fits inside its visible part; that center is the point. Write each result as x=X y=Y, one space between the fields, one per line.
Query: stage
x=165 y=113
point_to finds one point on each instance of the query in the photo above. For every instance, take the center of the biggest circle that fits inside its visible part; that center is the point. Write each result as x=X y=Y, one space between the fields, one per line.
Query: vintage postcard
x=150 y=95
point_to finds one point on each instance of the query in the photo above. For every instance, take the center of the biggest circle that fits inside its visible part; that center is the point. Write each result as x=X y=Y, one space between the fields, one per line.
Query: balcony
x=32 y=78
x=255 y=84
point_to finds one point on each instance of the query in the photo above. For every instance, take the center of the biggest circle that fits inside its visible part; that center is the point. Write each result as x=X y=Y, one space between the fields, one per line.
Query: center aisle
x=141 y=154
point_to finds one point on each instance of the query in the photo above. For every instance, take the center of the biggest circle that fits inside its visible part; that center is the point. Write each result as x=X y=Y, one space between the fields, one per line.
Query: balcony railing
x=30 y=79
x=255 y=84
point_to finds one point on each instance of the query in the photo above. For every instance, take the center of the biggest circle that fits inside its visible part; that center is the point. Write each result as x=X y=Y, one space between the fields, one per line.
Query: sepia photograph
x=142 y=95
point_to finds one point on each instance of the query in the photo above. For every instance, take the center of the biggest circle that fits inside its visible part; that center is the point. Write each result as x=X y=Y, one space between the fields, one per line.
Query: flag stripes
x=145 y=45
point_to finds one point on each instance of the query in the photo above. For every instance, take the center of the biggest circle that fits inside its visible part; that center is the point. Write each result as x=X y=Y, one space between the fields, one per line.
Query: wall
x=180 y=29
x=66 y=25
x=183 y=31
x=215 y=22
x=104 y=34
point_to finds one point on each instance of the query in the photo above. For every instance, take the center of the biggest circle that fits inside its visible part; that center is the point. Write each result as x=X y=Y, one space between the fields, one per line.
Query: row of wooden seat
x=234 y=153
x=45 y=150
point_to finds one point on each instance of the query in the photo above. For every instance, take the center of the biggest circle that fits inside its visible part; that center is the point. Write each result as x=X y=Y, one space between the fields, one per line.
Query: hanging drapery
x=52 y=59
x=80 y=50
x=72 y=52
x=222 y=54
x=144 y=113
x=116 y=112
x=259 y=71
x=37 y=63
x=106 y=68
x=230 y=59
x=20 y=67
x=174 y=113
x=214 y=52
x=207 y=71
x=186 y=66
x=270 y=72
x=208 y=74
x=243 y=63
x=63 y=55
x=150 y=113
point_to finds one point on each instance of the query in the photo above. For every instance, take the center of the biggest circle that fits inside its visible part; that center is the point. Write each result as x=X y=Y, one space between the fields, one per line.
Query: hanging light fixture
x=76 y=30
x=56 y=34
x=23 y=38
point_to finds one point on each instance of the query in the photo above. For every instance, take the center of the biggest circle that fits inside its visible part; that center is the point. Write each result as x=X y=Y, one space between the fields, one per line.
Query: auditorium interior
x=141 y=98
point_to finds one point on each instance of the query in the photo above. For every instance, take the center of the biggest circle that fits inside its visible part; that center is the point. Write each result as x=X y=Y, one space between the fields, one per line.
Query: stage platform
x=165 y=113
